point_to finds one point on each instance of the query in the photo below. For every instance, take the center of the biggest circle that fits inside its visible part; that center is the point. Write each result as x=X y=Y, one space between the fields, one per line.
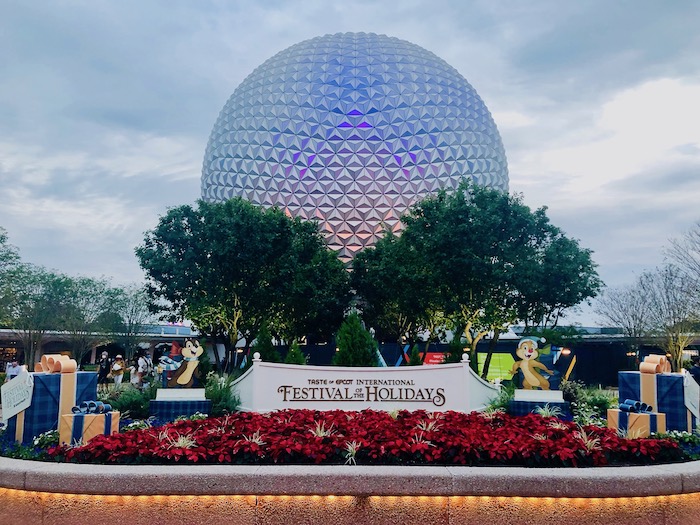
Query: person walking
x=145 y=370
x=118 y=368
x=105 y=366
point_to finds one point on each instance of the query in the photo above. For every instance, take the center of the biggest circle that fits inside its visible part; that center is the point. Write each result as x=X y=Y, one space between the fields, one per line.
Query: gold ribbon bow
x=655 y=364
x=56 y=363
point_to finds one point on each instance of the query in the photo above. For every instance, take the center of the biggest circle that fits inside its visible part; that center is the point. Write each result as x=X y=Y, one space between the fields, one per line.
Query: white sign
x=692 y=395
x=17 y=394
x=273 y=386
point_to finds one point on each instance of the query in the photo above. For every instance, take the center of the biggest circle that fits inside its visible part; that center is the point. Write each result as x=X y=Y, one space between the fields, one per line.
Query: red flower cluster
x=374 y=438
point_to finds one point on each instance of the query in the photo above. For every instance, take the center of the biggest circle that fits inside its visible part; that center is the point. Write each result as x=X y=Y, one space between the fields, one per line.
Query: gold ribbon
x=655 y=364
x=56 y=363
x=647 y=388
x=50 y=364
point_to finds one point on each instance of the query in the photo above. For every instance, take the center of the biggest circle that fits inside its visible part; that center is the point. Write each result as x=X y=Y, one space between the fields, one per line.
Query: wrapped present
x=636 y=424
x=665 y=392
x=81 y=427
x=523 y=408
x=55 y=393
x=170 y=410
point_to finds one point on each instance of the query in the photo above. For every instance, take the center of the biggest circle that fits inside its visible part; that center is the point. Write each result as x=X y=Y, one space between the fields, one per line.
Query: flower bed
x=374 y=438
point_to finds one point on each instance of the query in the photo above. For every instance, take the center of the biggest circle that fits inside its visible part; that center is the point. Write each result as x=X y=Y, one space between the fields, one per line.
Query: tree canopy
x=230 y=267
x=481 y=257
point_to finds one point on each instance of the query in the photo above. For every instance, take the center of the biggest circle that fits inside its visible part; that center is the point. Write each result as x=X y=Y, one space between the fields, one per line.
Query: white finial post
x=256 y=357
x=465 y=358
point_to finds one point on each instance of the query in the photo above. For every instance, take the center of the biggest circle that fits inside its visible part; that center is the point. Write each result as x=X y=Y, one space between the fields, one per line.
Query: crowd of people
x=141 y=370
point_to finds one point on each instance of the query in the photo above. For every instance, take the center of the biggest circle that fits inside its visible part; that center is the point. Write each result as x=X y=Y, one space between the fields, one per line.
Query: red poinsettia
x=374 y=437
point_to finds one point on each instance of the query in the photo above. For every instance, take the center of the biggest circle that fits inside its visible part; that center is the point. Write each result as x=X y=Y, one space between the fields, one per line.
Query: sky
x=106 y=108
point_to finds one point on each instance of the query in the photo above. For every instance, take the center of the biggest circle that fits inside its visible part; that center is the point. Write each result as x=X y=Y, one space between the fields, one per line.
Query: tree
x=263 y=345
x=38 y=301
x=559 y=275
x=86 y=316
x=356 y=347
x=230 y=266
x=317 y=293
x=132 y=317
x=395 y=289
x=415 y=359
x=9 y=258
x=630 y=308
x=684 y=253
x=295 y=356
x=674 y=310
x=494 y=261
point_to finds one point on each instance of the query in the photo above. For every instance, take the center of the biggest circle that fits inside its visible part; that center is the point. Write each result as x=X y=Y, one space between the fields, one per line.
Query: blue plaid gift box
x=53 y=396
x=523 y=408
x=664 y=392
x=170 y=410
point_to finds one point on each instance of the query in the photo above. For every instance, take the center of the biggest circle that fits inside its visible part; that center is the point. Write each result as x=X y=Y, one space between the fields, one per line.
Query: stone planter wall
x=50 y=493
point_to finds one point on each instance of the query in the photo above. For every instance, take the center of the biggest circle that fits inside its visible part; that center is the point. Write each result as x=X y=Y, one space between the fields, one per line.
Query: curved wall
x=51 y=493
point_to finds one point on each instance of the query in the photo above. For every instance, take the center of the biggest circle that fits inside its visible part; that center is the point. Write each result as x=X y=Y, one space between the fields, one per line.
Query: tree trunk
x=492 y=347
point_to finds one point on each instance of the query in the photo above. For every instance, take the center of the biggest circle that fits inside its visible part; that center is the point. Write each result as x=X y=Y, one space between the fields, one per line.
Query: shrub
x=375 y=438
x=130 y=401
x=356 y=347
x=295 y=356
x=501 y=402
x=218 y=391
x=589 y=406
x=415 y=358
x=455 y=349
x=689 y=442
x=263 y=345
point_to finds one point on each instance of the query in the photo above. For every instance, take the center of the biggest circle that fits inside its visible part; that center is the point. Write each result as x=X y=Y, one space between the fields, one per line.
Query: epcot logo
x=351 y=129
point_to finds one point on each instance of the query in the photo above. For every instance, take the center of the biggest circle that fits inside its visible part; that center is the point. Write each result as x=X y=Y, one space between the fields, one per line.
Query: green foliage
x=50 y=438
x=263 y=345
x=136 y=424
x=505 y=396
x=229 y=266
x=455 y=349
x=356 y=347
x=688 y=364
x=197 y=416
x=588 y=405
x=415 y=358
x=689 y=442
x=205 y=366
x=395 y=290
x=295 y=356
x=219 y=391
x=548 y=411
x=38 y=299
x=477 y=256
x=130 y=401
x=567 y=336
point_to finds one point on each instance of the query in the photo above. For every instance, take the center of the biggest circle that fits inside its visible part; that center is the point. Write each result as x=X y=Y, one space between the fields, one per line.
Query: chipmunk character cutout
x=188 y=369
x=527 y=352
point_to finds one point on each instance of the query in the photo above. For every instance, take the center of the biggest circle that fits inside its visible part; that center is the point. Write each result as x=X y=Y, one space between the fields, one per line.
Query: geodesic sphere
x=351 y=129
